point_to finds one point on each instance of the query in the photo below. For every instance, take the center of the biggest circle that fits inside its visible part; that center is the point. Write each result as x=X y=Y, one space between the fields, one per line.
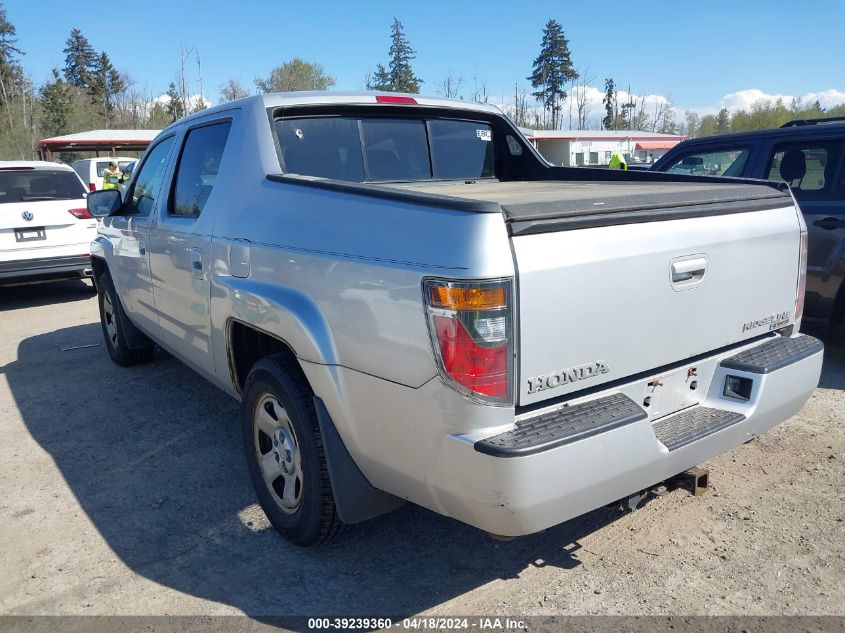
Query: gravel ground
x=125 y=492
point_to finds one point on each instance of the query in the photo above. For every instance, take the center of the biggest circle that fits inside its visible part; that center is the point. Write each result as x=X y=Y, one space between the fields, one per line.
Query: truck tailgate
x=603 y=303
x=619 y=278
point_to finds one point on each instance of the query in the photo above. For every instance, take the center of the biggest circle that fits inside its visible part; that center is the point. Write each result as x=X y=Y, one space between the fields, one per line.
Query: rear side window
x=359 y=149
x=721 y=162
x=808 y=167
x=462 y=149
x=32 y=185
x=196 y=172
x=324 y=147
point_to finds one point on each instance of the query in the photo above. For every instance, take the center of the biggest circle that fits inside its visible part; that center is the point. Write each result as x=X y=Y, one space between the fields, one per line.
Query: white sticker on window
x=484 y=135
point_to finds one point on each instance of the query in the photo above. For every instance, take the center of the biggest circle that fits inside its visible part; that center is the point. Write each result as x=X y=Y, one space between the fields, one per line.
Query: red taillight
x=395 y=99
x=483 y=370
x=92 y=186
x=80 y=214
x=471 y=332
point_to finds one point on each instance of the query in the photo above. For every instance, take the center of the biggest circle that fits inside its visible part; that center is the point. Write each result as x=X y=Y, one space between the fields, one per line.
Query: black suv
x=809 y=155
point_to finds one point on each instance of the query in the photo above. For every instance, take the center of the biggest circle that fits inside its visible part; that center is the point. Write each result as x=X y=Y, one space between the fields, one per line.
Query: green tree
x=693 y=123
x=175 y=107
x=723 y=122
x=610 y=106
x=56 y=100
x=399 y=75
x=708 y=125
x=10 y=68
x=552 y=70
x=16 y=99
x=80 y=60
x=106 y=85
x=294 y=76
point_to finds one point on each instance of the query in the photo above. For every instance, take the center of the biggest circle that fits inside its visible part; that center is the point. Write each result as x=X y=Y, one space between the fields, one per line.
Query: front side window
x=32 y=185
x=196 y=172
x=807 y=167
x=148 y=183
x=360 y=149
x=719 y=162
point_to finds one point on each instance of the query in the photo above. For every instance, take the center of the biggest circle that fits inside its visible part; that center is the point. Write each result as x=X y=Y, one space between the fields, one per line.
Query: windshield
x=30 y=185
x=359 y=149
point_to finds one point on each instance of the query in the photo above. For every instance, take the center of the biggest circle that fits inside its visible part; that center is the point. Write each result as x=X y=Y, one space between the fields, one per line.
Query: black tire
x=115 y=339
x=279 y=380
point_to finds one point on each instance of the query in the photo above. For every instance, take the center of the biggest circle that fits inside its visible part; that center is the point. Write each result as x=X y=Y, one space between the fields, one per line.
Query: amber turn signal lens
x=455 y=298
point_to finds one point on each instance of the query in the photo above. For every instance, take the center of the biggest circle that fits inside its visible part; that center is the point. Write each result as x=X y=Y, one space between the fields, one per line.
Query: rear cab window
x=711 y=162
x=810 y=168
x=386 y=149
x=32 y=185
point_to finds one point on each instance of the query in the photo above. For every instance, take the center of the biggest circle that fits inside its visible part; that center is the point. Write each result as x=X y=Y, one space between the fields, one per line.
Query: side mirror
x=104 y=202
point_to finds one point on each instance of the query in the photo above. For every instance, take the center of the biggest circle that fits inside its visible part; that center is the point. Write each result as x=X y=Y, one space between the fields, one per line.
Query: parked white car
x=91 y=170
x=45 y=227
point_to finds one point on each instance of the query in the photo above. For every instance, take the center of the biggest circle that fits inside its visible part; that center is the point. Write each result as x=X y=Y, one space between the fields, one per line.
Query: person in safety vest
x=111 y=177
x=617 y=161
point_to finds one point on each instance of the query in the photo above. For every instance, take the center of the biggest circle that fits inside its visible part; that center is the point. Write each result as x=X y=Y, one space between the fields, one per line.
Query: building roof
x=599 y=135
x=103 y=137
x=99 y=141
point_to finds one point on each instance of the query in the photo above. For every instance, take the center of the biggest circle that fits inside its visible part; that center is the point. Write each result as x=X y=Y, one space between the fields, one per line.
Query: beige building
x=581 y=148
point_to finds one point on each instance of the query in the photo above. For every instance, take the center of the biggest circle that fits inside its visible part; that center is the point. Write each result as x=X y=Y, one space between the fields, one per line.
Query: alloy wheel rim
x=111 y=326
x=278 y=454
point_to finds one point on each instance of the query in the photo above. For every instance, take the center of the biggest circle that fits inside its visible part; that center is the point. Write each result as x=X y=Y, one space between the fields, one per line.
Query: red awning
x=667 y=144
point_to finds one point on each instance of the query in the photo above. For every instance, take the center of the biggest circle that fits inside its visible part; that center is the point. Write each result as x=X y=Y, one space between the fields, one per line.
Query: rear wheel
x=284 y=453
x=110 y=320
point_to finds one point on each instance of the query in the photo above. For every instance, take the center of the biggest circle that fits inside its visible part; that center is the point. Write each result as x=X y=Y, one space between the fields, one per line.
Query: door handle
x=196 y=263
x=830 y=223
x=689 y=270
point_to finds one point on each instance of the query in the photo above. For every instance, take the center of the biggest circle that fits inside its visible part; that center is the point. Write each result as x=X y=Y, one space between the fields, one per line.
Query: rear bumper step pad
x=695 y=423
x=563 y=426
x=774 y=354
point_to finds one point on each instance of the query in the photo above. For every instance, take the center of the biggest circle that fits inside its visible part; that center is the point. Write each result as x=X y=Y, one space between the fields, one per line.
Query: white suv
x=91 y=170
x=45 y=227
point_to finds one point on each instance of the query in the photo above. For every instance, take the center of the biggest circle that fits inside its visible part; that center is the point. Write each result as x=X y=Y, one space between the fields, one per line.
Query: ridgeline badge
x=773 y=321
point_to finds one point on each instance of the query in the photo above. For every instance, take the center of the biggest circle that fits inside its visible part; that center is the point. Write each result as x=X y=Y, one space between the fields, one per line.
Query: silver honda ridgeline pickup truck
x=411 y=304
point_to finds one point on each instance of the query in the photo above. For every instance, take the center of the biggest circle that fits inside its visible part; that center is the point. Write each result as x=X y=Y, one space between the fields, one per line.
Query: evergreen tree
x=399 y=75
x=175 y=108
x=10 y=68
x=56 y=100
x=105 y=85
x=723 y=122
x=553 y=70
x=80 y=60
x=609 y=101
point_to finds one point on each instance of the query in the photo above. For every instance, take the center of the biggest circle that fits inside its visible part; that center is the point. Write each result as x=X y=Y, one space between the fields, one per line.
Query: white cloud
x=744 y=99
x=193 y=100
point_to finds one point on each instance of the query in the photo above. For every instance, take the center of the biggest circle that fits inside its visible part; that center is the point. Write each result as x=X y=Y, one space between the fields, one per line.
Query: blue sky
x=696 y=52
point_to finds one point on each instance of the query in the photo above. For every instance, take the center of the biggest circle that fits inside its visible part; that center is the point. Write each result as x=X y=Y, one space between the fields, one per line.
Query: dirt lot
x=124 y=492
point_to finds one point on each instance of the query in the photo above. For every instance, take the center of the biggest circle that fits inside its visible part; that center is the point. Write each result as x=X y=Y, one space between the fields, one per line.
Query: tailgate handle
x=689 y=270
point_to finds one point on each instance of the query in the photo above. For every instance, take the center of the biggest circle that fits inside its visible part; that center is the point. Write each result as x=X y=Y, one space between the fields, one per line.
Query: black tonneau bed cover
x=550 y=205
